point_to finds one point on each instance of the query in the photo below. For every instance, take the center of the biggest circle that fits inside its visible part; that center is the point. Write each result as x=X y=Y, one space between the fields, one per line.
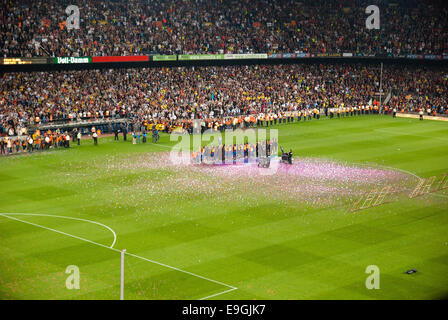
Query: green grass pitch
x=194 y=244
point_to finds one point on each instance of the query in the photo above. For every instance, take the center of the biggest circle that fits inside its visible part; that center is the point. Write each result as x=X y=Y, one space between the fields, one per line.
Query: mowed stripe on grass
x=268 y=251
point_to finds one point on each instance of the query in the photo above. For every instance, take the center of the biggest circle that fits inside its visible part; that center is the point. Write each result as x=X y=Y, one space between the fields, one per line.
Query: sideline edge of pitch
x=232 y=288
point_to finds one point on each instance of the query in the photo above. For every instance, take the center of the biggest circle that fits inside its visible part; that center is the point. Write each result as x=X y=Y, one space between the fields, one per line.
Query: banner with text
x=200 y=57
x=72 y=60
x=159 y=57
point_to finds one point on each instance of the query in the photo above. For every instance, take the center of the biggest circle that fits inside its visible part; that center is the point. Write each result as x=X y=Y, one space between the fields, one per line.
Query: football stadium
x=224 y=150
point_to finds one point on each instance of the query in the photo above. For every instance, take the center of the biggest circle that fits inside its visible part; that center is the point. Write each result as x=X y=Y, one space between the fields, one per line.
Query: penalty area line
x=128 y=253
x=177 y=269
x=58 y=231
x=217 y=294
x=65 y=217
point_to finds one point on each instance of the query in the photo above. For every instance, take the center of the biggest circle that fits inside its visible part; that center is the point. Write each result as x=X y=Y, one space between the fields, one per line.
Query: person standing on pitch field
x=79 y=138
x=125 y=132
x=394 y=113
x=2 y=146
x=9 y=145
x=139 y=135
x=30 y=143
x=67 y=140
x=95 y=138
x=116 y=134
x=421 y=114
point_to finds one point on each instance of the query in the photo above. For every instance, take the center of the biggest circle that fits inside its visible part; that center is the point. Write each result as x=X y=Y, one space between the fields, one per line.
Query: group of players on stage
x=236 y=153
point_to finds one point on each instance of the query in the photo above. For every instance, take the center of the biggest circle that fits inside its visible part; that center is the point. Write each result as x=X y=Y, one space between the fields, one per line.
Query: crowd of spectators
x=174 y=95
x=416 y=89
x=35 y=141
x=132 y=27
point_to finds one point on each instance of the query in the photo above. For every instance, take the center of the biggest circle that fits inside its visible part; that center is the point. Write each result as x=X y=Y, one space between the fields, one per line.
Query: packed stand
x=177 y=94
x=416 y=89
x=142 y=27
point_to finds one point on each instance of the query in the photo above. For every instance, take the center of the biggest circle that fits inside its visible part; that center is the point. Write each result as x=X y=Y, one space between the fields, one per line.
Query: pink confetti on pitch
x=307 y=168
x=312 y=181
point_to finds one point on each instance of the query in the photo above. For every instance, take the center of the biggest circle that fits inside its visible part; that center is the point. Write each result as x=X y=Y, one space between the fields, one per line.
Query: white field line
x=177 y=269
x=404 y=171
x=130 y=254
x=71 y=218
x=413 y=174
x=217 y=294
x=419 y=178
x=54 y=230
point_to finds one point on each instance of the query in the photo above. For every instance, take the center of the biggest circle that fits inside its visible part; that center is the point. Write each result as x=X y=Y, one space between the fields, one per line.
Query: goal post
x=122 y=275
